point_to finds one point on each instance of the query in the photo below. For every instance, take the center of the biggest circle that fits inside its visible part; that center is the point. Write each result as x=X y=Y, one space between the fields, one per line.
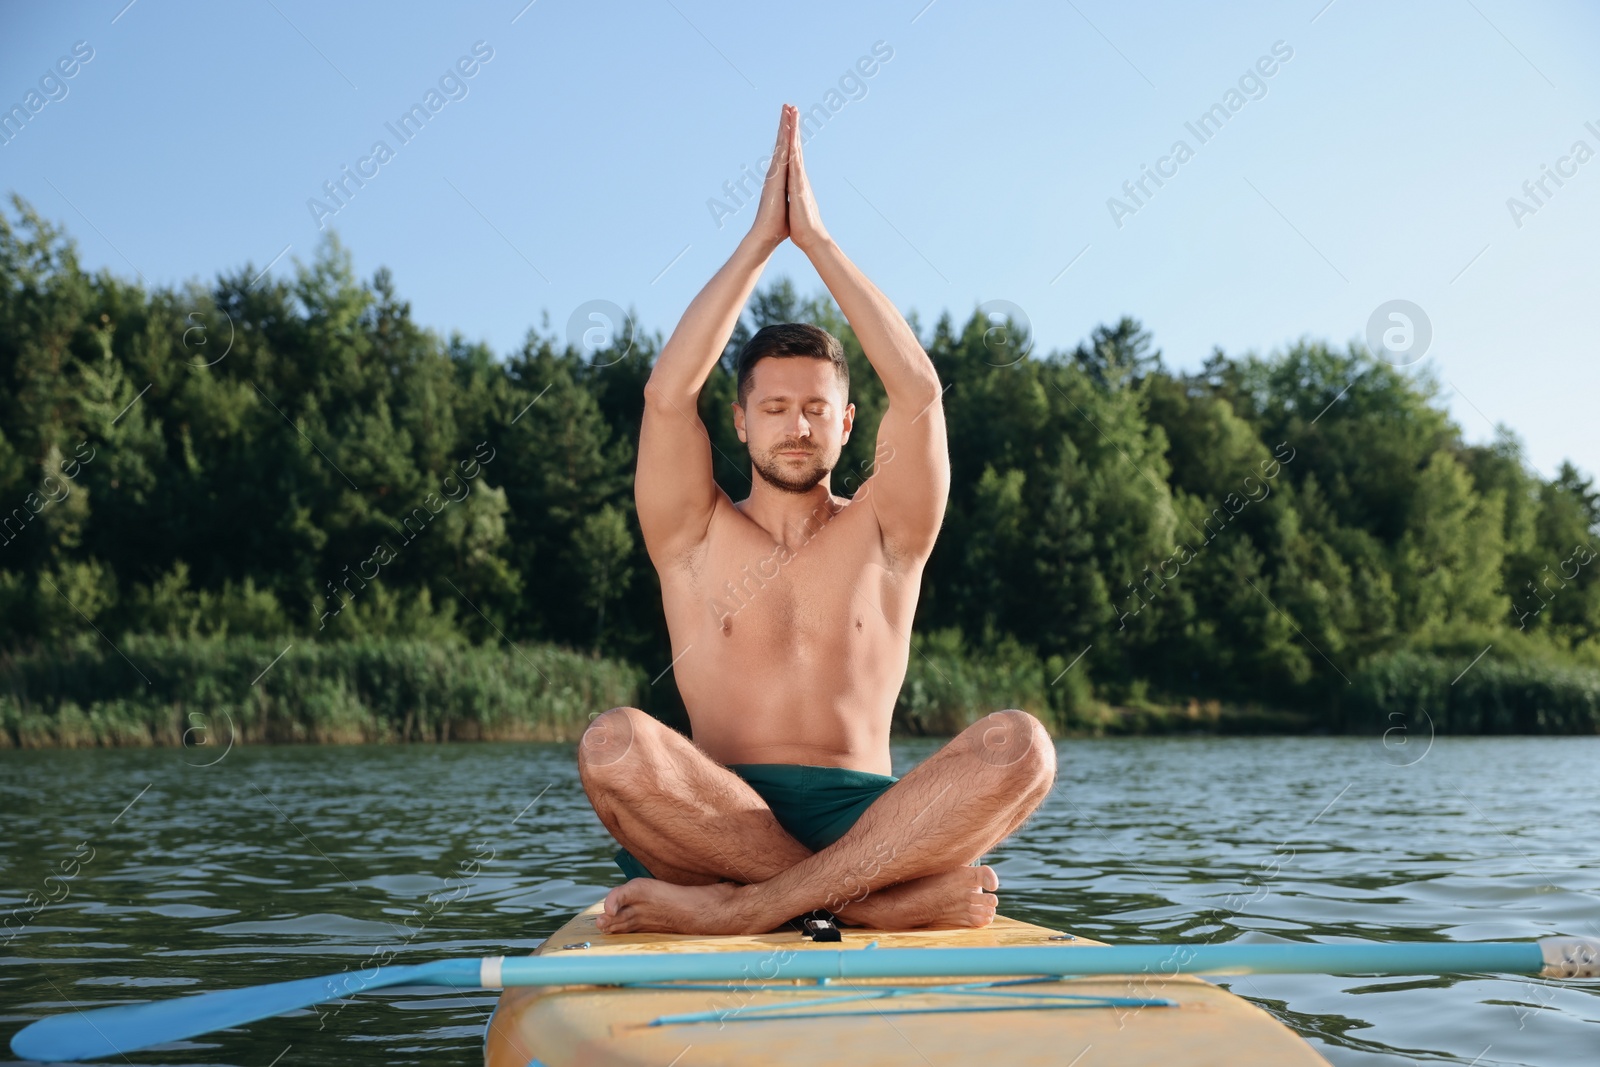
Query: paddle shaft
x=573 y=968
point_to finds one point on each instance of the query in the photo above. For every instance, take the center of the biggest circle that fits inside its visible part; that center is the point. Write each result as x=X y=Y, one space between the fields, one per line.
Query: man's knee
x=610 y=738
x=1018 y=743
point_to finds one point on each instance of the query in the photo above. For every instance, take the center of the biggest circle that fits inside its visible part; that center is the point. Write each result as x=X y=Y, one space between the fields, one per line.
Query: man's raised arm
x=673 y=487
x=911 y=478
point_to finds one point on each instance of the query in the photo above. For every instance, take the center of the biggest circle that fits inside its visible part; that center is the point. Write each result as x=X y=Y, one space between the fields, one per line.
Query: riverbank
x=165 y=691
x=159 y=691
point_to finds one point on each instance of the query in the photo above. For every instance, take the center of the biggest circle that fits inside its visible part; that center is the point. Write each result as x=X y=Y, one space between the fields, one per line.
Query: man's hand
x=805 y=221
x=772 y=211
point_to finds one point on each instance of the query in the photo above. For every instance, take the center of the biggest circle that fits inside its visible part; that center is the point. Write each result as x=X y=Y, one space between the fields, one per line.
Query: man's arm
x=673 y=487
x=910 y=481
x=911 y=478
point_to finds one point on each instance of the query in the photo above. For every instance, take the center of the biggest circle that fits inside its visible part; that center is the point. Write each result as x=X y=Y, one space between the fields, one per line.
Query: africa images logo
x=1252 y=85
x=452 y=85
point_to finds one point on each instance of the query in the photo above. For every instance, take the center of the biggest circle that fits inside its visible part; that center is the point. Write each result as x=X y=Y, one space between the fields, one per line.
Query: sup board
x=1133 y=1020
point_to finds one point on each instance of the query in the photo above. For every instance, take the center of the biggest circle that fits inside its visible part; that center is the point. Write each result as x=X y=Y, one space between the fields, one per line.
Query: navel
x=727 y=626
x=858 y=623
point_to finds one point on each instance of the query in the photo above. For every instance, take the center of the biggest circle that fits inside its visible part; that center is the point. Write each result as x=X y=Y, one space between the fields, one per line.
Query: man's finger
x=797 y=163
x=781 y=146
x=781 y=149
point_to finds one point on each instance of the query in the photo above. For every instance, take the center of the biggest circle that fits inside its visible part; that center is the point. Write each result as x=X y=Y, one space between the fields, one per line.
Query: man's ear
x=849 y=422
x=738 y=420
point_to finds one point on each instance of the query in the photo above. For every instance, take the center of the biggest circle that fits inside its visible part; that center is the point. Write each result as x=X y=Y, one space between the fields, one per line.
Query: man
x=790 y=614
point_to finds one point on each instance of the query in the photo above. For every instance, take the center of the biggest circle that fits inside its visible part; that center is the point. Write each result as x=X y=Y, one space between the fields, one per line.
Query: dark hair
x=783 y=340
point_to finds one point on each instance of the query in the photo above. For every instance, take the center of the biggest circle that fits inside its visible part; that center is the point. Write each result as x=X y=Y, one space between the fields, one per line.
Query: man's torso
x=791 y=654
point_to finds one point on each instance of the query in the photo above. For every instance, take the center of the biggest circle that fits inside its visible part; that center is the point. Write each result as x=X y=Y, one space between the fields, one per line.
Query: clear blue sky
x=1376 y=165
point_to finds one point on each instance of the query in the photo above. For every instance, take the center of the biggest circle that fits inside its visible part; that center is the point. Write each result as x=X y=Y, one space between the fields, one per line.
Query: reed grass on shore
x=1517 y=696
x=175 y=692
x=949 y=686
x=170 y=691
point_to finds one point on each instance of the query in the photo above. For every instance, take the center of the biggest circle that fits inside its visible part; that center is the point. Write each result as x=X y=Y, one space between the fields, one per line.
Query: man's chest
x=746 y=585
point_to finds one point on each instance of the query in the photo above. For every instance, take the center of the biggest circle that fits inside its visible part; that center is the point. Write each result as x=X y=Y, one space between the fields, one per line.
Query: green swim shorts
x=816 y=805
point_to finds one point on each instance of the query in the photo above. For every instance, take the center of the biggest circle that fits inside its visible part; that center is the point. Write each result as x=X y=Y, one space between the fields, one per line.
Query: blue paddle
x=97 y=1032
x=124 y=1028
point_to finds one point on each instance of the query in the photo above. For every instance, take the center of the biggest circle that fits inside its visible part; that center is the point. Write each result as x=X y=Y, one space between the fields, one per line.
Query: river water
x=273 y=863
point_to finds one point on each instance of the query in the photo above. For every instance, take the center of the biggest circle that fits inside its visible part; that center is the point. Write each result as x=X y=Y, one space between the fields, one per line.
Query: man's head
x=793 y=408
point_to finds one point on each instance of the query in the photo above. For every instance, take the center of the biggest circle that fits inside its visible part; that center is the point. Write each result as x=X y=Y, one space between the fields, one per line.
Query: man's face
x=795 y=421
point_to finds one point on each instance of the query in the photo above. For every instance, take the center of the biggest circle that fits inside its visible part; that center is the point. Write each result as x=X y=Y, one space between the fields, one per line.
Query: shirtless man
x=790 y=614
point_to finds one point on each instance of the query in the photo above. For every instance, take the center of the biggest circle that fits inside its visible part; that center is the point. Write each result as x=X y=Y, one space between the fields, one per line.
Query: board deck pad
x=745 y=1022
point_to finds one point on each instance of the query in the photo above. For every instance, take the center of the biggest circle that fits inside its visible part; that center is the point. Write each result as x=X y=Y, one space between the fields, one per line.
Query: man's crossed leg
x=724 y=865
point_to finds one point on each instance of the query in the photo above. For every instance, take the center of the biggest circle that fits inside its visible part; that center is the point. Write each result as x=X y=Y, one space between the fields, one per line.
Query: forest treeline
x=295 y=460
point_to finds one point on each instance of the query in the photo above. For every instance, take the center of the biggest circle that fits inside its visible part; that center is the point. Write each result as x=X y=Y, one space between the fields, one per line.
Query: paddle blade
x=99 y=1032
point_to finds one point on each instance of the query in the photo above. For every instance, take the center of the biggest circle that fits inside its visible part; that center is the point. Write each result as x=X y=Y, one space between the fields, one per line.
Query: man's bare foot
x=964 y=897
x=648 y=905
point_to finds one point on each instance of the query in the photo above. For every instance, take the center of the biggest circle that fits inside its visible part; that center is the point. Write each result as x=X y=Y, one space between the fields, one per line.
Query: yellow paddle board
x=921 y=1022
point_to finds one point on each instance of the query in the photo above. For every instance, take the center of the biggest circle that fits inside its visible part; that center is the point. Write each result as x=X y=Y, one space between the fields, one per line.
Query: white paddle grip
x=489 y=971
x=1570 y=957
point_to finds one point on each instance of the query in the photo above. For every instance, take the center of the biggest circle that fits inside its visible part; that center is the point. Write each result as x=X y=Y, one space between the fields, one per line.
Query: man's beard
x=773 y=470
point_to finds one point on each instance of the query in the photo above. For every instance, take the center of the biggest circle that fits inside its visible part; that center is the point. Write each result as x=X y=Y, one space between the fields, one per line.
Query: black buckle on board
x=825 y=928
